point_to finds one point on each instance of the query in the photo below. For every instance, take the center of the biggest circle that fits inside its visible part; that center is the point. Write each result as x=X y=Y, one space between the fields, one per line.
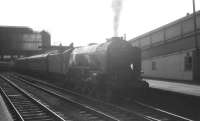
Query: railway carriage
x=38 y=63
x=55 y=63
x=58 y=62
x=5 y=66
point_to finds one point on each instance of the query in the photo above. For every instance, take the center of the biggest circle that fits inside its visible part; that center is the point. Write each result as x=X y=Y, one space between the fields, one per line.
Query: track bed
x=138 y=109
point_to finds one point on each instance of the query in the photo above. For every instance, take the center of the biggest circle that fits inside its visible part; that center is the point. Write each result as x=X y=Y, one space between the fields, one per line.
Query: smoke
x=116 y=6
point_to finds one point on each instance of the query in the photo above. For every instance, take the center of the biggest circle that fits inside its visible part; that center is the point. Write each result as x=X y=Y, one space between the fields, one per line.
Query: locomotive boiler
x=110 y=70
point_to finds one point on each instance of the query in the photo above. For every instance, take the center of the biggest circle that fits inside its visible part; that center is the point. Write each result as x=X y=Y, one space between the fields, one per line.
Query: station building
x=17 y=41
x=169 y=52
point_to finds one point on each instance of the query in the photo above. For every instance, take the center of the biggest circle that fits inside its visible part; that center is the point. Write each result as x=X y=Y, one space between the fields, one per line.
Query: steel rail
x=88 y=108
x=26 y=94
x=147 y=117
x=138 y=102
x=11 y=107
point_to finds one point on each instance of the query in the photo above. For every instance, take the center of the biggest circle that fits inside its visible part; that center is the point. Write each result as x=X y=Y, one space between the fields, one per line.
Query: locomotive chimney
x=116 y=6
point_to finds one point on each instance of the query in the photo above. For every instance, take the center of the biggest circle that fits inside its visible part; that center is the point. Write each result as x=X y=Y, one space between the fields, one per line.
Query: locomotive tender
x=110 y=70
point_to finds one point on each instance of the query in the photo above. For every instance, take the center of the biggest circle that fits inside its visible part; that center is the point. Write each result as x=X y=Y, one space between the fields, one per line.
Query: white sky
x=91 y=21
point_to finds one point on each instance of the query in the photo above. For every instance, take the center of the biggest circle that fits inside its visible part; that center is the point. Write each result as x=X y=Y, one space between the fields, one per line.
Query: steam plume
x=116 y=6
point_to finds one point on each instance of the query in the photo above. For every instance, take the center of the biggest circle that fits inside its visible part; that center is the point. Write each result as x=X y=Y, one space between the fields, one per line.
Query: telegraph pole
x=195 y=26
x=196 y=54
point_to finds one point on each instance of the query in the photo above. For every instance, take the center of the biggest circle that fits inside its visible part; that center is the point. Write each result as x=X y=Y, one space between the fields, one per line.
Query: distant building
x=169 y=52
x=16 y=41
x=46 y=40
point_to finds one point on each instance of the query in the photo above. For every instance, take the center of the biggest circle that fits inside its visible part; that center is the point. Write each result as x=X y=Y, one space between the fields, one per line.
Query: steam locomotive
x=111 y=70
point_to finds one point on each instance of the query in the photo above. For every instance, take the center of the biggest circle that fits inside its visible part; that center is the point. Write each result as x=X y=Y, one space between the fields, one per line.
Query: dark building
x=169 y=52
x=46 y=39
x=22 y=41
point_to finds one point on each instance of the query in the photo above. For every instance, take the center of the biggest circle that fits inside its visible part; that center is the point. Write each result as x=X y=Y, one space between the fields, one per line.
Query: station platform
x=182 y=88
x=4 y=113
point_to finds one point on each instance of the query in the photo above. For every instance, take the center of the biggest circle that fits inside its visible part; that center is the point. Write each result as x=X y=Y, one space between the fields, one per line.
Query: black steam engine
x=110 y=70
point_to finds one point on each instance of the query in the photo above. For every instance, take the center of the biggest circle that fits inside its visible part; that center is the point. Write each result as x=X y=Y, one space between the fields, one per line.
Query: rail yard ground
x=174 y=103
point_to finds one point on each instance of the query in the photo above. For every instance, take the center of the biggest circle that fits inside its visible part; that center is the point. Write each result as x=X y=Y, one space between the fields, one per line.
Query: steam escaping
x=116 y=6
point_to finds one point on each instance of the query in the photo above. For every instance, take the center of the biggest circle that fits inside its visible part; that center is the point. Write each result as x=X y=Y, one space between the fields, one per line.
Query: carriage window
x=188 y=63
x=153 y=65
x=132 y=67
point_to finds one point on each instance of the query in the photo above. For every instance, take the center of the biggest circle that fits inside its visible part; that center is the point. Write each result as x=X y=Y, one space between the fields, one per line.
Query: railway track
x=23 y=107
x=83 y=111
x=140 y=111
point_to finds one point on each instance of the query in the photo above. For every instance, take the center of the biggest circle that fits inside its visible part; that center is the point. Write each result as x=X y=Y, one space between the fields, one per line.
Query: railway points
x=153 y=113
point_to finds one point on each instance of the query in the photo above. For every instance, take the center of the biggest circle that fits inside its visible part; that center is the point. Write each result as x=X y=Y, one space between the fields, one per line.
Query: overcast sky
x=91 y=21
